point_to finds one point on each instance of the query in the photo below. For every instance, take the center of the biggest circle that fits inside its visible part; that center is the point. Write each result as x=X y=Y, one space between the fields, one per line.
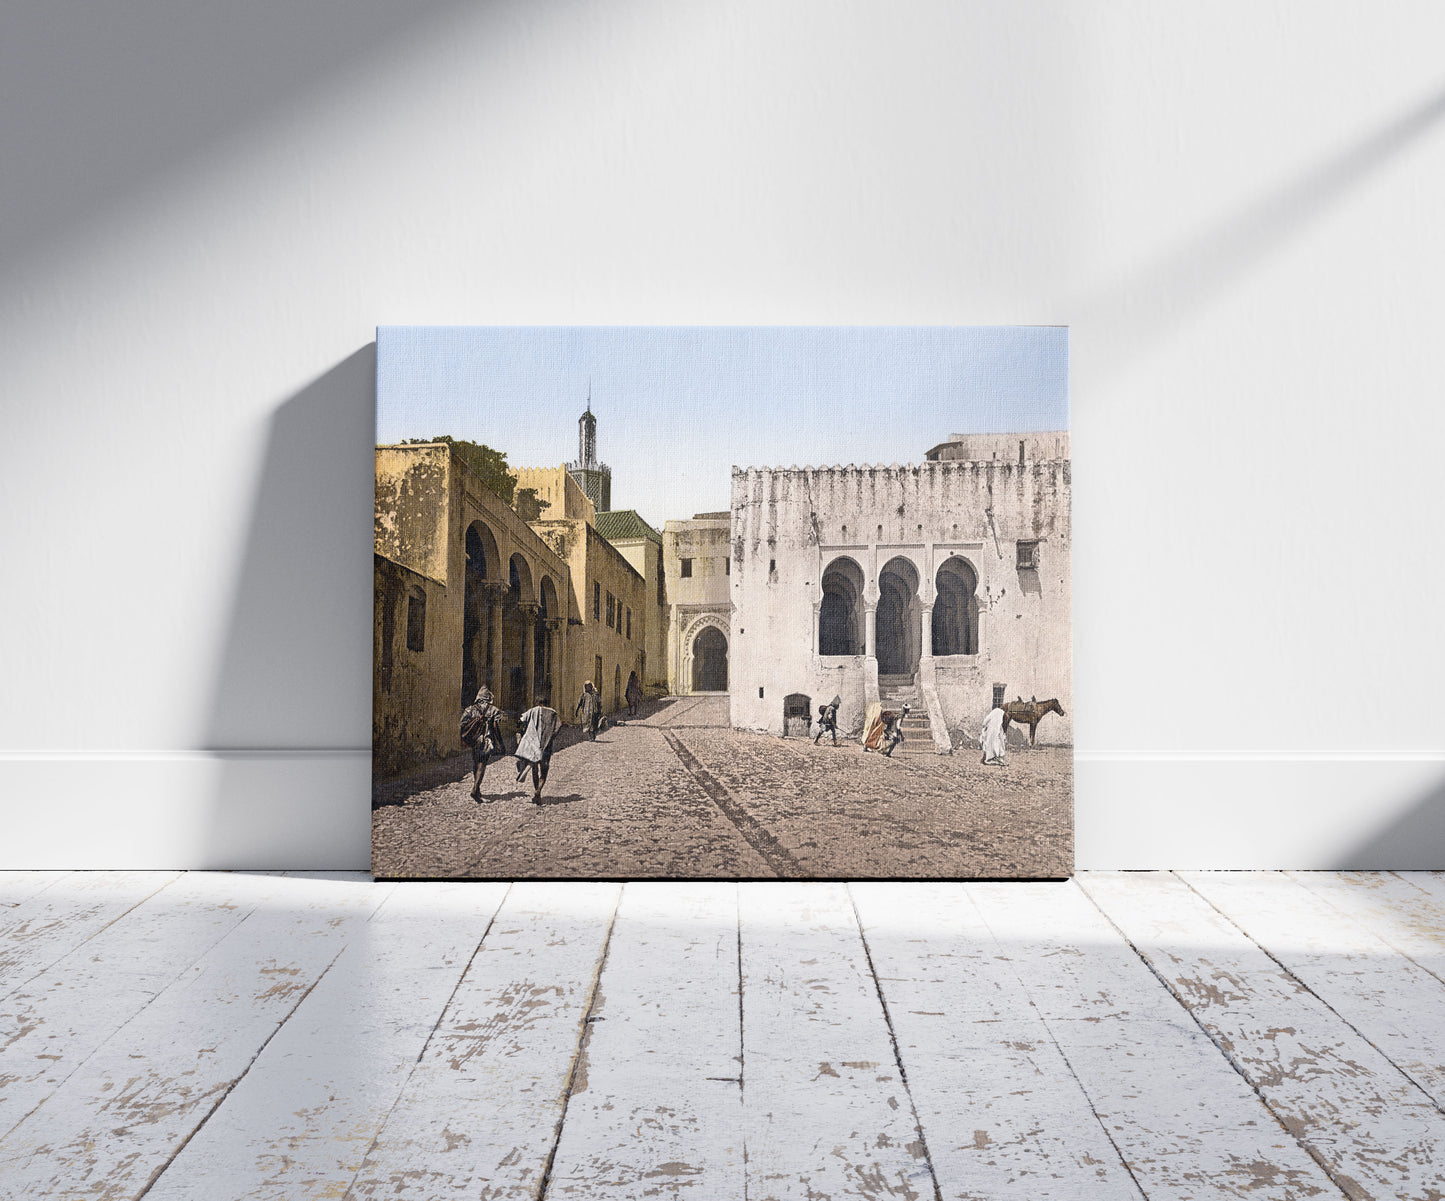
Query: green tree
x=490 y=466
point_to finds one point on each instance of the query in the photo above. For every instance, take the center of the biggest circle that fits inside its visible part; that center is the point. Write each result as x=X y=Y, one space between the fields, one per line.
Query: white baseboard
x=310 y=809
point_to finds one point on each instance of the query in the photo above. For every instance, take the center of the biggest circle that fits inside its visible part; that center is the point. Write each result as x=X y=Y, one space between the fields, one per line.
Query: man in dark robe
x=634 y=695
x=589 y=710
x=536 y=729
x=828 y=720
x=481 y=730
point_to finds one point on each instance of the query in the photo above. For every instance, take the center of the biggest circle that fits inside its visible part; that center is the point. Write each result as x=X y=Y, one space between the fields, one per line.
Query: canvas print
x=727 y=603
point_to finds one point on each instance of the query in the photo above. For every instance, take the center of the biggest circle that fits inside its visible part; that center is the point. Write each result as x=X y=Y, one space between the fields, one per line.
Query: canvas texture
x=728 y=603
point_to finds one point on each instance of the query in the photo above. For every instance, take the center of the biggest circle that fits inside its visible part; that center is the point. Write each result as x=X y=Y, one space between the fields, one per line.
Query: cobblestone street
x=679 y=793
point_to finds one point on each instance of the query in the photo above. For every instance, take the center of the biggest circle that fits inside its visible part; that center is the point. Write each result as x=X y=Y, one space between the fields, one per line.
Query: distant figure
x=828 y=720
x=887 y=731
x=634 y=695
x=589 y=710
x=537 y=728
x=992 y=740
x=482 y=731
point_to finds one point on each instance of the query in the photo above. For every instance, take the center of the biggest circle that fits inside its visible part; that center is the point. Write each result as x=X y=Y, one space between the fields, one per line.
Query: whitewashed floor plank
x=115 y=1123
x=1186 y=1124
x=50 y=1025
x=1392 y=1002
x=1375 y=1131
x=1402 y=908
x=49 y=924
x=826 y=1110
x=1003 y=1116
x=656 y=1108
x=300 y=1122
x=480 y=1113
x=16 y=887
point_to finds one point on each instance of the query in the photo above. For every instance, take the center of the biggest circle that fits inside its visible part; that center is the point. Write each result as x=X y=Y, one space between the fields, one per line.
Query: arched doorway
x=481 y=548
x=516 y=648
x=840 y=615
x=542 y=666
x=955 y=609
x=899 y=619
x=710 y=661
x=617 y=687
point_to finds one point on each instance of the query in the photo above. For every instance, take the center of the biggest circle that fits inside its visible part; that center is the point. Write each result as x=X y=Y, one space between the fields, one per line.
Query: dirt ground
x=677 y=793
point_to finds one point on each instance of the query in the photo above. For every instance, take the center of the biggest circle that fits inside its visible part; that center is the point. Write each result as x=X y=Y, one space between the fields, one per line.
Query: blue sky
x=678 y=407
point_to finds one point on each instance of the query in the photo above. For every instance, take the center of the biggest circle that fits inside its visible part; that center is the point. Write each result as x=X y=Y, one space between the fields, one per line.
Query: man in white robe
x=991 y=739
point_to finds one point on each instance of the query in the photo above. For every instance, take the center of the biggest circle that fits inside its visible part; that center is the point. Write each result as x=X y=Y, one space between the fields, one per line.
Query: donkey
x=1031 y=712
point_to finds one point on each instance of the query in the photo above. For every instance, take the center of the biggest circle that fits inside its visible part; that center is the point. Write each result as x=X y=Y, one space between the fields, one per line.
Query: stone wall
x=790 y=524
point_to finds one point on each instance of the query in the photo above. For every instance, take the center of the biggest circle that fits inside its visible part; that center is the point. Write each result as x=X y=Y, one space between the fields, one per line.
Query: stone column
x=529 y=654
x=555 y=626
x=870 y=629
x=494 y=639
x=926 y=646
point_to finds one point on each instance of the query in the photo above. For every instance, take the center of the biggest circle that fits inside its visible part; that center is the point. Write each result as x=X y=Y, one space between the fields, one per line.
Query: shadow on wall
x=290 y=718
x=119 y=95
x=1413 y=842
x=1148 y=304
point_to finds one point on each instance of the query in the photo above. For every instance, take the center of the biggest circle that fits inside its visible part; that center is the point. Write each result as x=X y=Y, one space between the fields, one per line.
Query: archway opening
x=481 y=548
x=710 y=661
x=797 y=715
x=542 y=665
x=840 y=616
x=899 y=619
x=955 y=609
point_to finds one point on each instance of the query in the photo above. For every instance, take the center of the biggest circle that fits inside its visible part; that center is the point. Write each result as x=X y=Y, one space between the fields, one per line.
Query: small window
x=727 y=566
x=611 y=611
x=629 y=623
x=686 y=570
x=772 y=566
x=596 y=602
x=1028 y=556
x=416 y=620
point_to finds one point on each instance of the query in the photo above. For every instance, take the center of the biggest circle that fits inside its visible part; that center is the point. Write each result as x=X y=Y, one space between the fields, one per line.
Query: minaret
x=594 y=477
x=587 y=438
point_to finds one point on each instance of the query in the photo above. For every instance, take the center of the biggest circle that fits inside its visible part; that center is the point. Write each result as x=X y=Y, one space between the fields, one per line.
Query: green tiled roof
x=619 y=525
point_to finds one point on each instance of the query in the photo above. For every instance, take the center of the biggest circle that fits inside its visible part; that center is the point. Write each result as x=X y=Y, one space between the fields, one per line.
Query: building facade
x=641 y=545
x=696 y=563
x=608 y=602
x=951 y=577
x=466 y=594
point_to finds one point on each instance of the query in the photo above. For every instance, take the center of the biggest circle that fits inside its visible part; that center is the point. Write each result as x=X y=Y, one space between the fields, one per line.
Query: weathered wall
x=790 y=524
x=592 y=560
x=701 y=599
x=413 y=698
x=563 y=494
x=416 y=704
x=412 y=489
x=645 y=555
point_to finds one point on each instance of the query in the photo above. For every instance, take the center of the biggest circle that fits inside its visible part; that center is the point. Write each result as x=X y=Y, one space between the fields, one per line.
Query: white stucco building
x=945 y=582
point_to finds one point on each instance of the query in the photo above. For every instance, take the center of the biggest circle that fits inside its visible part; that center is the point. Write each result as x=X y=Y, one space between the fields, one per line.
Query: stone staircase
x=896 y=691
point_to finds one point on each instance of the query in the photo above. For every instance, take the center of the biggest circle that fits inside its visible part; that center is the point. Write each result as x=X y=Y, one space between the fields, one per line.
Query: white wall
x=206 y=207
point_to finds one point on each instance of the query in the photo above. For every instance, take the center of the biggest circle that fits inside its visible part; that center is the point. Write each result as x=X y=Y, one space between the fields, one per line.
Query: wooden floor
x=1189 y=1035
